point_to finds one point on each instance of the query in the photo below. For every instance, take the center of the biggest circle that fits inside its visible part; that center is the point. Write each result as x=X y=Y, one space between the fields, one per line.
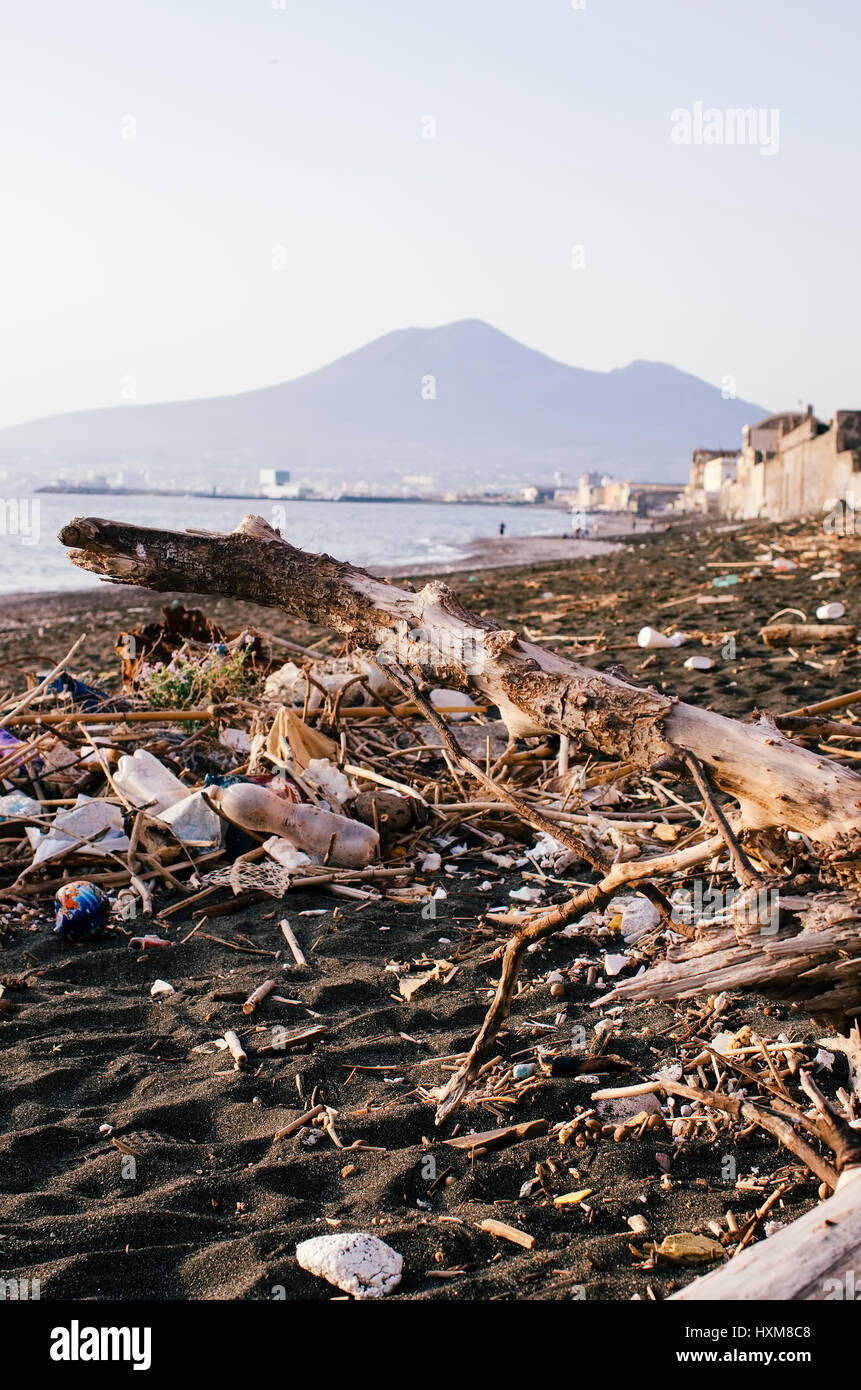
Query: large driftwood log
x=805 y=953
x=776 y=782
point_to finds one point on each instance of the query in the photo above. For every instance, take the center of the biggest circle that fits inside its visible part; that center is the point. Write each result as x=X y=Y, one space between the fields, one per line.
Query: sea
x=394 y=535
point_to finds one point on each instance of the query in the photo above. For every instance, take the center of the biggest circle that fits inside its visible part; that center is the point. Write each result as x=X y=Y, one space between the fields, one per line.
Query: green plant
x=192 y=680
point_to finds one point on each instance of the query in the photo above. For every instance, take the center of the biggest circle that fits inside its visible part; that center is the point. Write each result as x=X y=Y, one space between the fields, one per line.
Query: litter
x=343 y=842
x=147 y=782
x=81 y=910
x=359 y=1264
x=650 y=638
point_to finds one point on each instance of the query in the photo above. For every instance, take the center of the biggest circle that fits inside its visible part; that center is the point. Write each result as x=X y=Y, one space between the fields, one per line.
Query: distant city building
x=789 y=465
x=275 y=482
x=417 y=484
x=598 y=492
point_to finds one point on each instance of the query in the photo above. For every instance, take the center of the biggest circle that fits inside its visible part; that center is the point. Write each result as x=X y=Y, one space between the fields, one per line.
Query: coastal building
x=790 y=464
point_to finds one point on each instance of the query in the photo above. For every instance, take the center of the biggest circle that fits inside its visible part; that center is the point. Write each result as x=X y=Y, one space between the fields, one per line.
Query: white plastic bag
x=143 y=778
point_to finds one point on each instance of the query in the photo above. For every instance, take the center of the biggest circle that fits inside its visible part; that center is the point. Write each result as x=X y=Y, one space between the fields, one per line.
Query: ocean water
x=390 y=534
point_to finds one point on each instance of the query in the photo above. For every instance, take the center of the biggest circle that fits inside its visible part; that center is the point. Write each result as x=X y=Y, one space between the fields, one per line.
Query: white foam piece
x=357 y=1263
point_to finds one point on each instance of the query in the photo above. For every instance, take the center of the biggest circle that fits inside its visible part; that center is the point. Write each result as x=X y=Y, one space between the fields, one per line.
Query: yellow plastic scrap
x=686 y=1248
x=571 y=1199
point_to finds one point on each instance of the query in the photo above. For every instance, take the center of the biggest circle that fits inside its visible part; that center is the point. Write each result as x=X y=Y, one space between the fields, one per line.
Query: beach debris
x=295 y=949
x=698 y=663
x=499 y=1138
x=145 y=781
x=384 y=810
x=357 y=1263
x=237 y=1051
x=80 y=910
x=193 y=821
x=335 y=839
x=806 y=634
x=161 y=988
x=573 y=1199
x=503 y=1231
x=453 y=704
x=258 y=995
x=593 y=815
x=826 y=612
x=14 y=805
x=96 y=824
x=685 y=1247
x=408 y=985
x=638 y=916
x=652 y=638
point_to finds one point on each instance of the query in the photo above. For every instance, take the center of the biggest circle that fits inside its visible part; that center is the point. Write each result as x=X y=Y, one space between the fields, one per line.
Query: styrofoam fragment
x=357 y=1263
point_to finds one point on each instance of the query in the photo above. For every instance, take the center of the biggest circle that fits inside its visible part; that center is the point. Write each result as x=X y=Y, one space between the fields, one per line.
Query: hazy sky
x=278 y=204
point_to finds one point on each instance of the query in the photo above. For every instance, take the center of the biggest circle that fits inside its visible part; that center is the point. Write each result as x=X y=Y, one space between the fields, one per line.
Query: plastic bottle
x=347 y=843
x=143 y=778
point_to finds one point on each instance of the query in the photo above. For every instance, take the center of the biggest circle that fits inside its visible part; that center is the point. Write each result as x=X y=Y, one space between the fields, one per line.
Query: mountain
x=464 y=402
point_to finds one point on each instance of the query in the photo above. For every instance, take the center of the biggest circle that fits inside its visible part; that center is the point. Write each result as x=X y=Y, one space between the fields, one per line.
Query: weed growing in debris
x=190 y=680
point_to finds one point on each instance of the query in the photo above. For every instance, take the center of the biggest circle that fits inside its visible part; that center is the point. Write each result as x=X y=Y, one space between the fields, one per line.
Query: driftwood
x=817 y=1258
x=537 y=691
x=807 y=952
x=776 y=783
x=807 y=634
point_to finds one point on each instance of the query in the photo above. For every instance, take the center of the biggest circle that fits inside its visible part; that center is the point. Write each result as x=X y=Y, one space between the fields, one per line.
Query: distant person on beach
x=502 y=528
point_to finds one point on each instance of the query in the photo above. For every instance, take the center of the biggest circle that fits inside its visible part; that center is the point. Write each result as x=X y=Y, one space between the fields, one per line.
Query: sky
x=206 y=196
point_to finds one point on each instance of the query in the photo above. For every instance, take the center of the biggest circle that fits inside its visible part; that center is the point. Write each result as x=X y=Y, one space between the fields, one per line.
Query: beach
x=212 y=1206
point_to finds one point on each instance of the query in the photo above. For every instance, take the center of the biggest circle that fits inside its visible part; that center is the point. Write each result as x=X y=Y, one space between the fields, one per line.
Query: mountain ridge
x=463 y=402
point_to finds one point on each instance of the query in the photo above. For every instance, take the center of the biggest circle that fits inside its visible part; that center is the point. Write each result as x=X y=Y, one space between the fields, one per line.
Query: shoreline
x=484 y=553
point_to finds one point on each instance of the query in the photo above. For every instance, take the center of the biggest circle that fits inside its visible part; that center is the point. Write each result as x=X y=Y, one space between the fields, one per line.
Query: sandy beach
x=214 y=1207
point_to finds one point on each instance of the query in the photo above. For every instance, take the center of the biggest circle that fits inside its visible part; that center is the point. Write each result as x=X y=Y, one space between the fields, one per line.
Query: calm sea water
x=394 y=534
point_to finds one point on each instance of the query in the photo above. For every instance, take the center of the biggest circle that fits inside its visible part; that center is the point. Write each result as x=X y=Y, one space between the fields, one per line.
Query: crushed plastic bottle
x=345 y=843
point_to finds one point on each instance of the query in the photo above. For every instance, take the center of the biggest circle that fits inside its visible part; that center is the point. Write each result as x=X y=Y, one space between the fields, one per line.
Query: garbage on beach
x=650 y=637
x=290 y=685
x=94 y=824
x=827 y=611
x=17 y=804
x=358 y=1263
x=698 y=663
x=160 y=988
x=193 y=821
x=147 y=782
x=454 y=704
x=344 y=842
x=80 y=910
x=638 y=916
